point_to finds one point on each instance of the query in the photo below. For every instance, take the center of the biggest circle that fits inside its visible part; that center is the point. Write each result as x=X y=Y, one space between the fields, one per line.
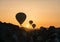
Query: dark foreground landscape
x=14 y=33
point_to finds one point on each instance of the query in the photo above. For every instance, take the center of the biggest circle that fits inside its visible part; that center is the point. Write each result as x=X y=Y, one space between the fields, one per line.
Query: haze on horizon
x=42 y=12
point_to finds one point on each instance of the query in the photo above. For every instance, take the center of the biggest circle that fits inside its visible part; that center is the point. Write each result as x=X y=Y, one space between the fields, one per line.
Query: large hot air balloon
x=20 y=17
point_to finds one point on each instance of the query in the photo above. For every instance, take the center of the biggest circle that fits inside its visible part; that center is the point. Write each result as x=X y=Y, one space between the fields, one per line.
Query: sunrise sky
x=42 y=12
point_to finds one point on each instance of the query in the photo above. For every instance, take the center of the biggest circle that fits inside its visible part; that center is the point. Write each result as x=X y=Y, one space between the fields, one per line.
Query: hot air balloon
x=33 y=25
x=20 y=17
x=30 y=21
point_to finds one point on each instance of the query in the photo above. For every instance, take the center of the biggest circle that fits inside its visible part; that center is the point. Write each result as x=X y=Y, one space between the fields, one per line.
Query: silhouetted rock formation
x=14 y=33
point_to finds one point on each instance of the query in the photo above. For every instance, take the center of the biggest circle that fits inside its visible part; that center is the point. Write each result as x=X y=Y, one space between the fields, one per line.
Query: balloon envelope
x=30 y=21
x=33 y=25
x=20 y=17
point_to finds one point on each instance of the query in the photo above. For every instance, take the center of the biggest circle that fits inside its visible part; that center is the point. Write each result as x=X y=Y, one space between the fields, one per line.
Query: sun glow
x=42 y=12
x=28 y=26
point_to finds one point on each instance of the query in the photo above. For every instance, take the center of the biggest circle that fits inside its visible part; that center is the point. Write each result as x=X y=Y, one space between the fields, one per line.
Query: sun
x=27 y=26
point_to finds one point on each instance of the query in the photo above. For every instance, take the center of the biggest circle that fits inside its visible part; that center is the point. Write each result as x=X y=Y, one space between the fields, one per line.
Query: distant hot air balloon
x=30 y=21
x=33 y=25
x=20 y=17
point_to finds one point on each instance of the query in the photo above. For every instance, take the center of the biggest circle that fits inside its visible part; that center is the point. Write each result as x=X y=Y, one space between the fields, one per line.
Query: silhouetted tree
x=51 y=27
x=43 y=28
x=51 y=30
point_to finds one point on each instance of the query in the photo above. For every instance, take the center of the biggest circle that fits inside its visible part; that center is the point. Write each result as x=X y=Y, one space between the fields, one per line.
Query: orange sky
x=42 y=12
